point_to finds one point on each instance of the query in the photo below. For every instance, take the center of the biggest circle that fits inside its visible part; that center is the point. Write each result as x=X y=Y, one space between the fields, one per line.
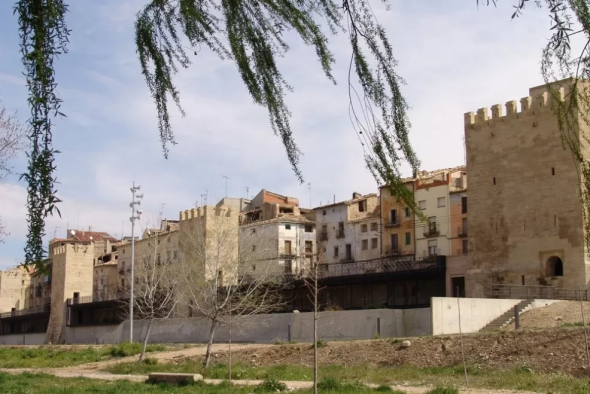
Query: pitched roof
x=348 y=202
x=282 y=218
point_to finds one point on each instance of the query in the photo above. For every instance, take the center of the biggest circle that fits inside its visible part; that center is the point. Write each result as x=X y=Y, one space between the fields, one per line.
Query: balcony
x=462 y=232
x=392 y=250
x=324 y=236
x=393 y=223
x=340 y=233
x=431 y=230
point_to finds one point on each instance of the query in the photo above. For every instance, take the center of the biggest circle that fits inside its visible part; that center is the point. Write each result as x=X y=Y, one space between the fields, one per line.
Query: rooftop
x=282 y=218
x=348 y=202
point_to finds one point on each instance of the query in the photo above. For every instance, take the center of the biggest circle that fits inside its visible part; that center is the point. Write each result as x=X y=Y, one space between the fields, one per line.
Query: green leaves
x=43 y=35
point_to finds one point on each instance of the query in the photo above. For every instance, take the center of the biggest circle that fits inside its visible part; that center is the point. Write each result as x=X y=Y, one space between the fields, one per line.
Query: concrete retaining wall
x=22 y=339
x=341 y=325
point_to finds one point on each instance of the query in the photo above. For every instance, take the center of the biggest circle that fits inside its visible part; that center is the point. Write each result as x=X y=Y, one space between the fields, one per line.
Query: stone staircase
x=508 y=316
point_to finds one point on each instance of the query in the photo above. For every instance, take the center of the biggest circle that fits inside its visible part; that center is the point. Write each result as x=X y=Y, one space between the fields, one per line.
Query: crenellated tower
x=524 y=208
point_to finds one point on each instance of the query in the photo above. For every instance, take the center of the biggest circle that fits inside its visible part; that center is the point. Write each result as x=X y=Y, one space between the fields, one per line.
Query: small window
x=494 y=180
x=253 y=267
x=253 y=248
x=253 y=231
x=463 y=204
x=363 y=228
x=422 y=204
x=408 y=238
x=362 y=206
x=432 y=247
x=374 y=226
x=374 y=243
x=365 y=244
x=324 y=213
x=175 y=254
x=287 y=227
x=552 y=170
x=441 y=202
x=465 y=247
x=407 y=212
x=308 y=229
x=335 y=251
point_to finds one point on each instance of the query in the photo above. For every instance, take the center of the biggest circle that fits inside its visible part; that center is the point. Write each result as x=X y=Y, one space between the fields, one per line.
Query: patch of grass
x=443 y=390
x=522 y=378
x=321 y=343
x=575 y=324
x=55 y=357
x=270 y=386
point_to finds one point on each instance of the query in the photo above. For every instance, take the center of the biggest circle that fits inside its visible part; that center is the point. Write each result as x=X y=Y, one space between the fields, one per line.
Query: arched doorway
x=554 y=266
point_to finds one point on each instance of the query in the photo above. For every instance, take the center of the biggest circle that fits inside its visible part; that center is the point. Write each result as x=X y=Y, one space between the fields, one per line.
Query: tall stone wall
x=524 y=207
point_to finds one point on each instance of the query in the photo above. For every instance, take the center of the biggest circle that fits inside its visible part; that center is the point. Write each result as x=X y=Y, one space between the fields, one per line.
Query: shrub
x=444 y=390
x=321 y=343
x=270 y=386
x=150 y=361
x=384 y=388
x=329 y=384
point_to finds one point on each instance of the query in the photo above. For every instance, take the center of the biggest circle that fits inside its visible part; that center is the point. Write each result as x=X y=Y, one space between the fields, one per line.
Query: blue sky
x=454 y=57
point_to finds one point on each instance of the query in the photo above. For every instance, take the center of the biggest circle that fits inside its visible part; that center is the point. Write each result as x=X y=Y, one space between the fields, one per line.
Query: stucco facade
x=337 y=228
x=525 y=216
x=397 y=224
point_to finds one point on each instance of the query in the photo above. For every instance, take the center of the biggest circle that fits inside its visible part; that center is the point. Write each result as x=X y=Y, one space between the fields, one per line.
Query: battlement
x=540 y=99
x=207 y=211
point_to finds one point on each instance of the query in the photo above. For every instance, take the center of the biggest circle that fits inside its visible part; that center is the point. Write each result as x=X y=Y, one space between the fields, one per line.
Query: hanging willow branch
x=250 y=34
x=43 y=35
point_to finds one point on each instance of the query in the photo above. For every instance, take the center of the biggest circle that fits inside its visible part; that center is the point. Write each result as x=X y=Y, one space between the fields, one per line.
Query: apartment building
x=340 y=226
x=14 y=283
x=433 y=192
x=526 y=220
x=397 y=223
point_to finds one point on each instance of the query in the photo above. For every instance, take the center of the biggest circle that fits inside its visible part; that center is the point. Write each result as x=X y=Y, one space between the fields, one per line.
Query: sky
x=454 y=57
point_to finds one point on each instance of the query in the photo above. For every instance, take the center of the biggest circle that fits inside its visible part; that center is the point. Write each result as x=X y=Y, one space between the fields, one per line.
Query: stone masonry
x=525 y=215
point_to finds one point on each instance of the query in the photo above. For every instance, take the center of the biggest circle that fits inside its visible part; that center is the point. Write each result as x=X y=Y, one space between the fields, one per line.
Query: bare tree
x=229 y=274
x=158 y=281
x=12 y=137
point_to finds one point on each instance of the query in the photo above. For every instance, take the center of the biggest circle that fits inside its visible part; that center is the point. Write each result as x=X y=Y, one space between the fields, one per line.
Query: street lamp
x=135 y=215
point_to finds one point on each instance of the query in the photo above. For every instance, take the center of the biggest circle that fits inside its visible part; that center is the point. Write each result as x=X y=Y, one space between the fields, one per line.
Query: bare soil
x=555 y=315
x=545 y=351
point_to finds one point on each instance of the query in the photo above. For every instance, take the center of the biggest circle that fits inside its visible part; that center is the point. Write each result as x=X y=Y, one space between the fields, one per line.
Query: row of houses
x=526 y=232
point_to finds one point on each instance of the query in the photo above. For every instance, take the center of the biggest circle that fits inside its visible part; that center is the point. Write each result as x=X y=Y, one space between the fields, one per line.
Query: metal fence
x=23 y=312
x=538 y=292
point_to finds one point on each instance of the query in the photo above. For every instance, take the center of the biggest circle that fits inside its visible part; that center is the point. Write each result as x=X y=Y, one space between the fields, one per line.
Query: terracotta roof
x=429 y=174
x=282 y=218
x=348 y=202
x=84 y=236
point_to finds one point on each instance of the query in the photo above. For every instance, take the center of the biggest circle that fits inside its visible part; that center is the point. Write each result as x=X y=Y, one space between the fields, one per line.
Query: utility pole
x=133 y=218
x=226 y=178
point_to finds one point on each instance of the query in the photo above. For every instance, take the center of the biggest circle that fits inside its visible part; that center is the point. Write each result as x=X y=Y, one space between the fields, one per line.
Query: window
x=365 y=244
x=288 y=266
x=325 y=229
x=494 y=180
x=408 y=239
x=441 y=202
x=288 y=247
x=362 y=206
x=168 y=255
x=374 y=243
x=394 y=243
x=122 y=282
x=253 y=231
x=552 y=170
x=422 y=204
x=432 y=247
x=254 y=248
x=175 y=254
x=363 y=228
x=335 y=251
x=158 y=259
x=253 y=267
x=287 y=227
x=324 y=212
x=554 y=266
x=393 y=216
x=465 y=246
x=407 y=212
x=308 y=228
x=308 y=246
x=463 y=204
x=464 y=226
x=374 y=226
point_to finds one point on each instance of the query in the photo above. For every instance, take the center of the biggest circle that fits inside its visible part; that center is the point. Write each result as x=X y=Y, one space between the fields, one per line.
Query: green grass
x=576 y=324
x=515 y=379
x=47 y=384
x=52 y=357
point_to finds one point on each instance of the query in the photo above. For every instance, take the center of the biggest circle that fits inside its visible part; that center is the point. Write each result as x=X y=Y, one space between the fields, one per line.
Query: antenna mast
x=226 y=179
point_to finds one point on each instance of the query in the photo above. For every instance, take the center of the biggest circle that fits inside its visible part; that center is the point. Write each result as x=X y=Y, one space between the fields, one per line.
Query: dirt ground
x=554 y=315
x=545 y=351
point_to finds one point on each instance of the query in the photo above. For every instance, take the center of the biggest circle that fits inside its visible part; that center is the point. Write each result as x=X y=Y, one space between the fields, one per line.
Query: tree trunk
x=315 y=334
x=210 y=343
x=229 y=348
x=145 y=341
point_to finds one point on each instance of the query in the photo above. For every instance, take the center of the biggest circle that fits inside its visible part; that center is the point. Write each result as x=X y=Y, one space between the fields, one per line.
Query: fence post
x=289 y=333
x=379 y=327
x=516 y=318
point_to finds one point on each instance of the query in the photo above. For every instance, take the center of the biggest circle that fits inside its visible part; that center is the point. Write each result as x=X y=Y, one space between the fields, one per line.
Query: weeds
x=270 y=386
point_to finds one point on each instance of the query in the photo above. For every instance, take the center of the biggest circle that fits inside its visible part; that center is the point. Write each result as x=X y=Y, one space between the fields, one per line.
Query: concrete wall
x=476 y=313
x=341 y=325
x=22 y=339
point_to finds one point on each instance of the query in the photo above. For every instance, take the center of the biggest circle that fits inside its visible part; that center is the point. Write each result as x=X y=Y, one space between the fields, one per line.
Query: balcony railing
x=340 y=233
x=324 y=236
x=462 y=231
x=431 y=230
x=28 y=311
x=395 y=222
x=538 y=292
x=392 y=250
x=381 y=265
